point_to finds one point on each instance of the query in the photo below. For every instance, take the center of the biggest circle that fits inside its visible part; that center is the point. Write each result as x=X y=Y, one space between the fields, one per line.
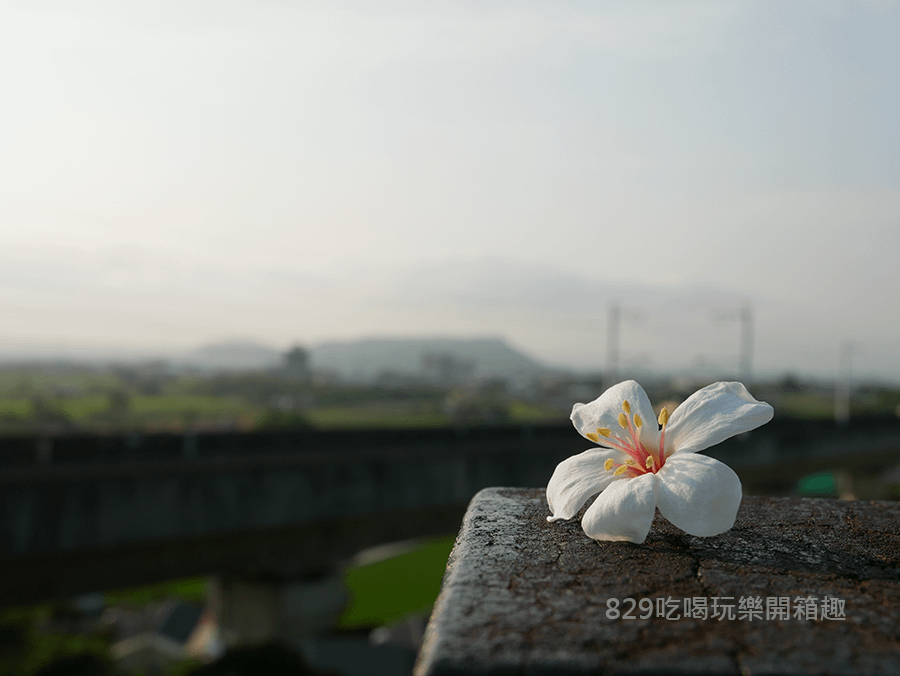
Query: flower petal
x=577 y=478
x=698 y=494
x=604 y=412
x=714 y=414
x=624 y=511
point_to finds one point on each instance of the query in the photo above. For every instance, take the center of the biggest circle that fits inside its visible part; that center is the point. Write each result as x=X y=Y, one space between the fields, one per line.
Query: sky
x=179 y=173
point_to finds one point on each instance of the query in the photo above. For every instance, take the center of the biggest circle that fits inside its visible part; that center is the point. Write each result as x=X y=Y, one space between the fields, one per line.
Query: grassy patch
x=19 y=407
x=384 y=591
x=191 y=590
x=805 y=405
x=178 y=403
x=26 y=645
x=79 y=408
x=345 y=417
x=521 y=411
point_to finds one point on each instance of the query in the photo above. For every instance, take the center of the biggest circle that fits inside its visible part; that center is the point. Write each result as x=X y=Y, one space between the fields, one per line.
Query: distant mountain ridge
x=361 y=360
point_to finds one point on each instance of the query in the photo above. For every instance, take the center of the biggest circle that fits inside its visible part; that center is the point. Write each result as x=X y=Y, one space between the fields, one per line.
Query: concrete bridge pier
x=253 y=608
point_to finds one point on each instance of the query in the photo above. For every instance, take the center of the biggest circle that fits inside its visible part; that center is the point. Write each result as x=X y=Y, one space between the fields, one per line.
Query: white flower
x=641 y=467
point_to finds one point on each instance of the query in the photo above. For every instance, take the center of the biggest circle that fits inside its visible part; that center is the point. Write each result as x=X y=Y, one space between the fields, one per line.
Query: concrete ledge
x=523 y=596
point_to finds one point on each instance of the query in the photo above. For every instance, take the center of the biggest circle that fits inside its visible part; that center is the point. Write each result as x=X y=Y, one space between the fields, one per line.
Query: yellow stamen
x=608 y=464
x=649 y=462
x=637 y=421
x=663 y=416
x=620 y=470
x=623 y=421
x=630 y=462
x=593 y=437
x=626 y=406
x=604 y=432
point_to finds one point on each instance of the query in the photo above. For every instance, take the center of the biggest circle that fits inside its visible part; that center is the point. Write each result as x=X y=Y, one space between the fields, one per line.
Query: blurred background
x=283 y=284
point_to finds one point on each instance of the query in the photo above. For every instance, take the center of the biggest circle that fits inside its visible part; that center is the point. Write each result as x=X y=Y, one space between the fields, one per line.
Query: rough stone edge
x=493 y=505
x=448 y=603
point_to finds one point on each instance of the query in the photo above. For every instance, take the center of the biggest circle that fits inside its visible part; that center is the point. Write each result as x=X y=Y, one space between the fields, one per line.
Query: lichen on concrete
x=524 y=596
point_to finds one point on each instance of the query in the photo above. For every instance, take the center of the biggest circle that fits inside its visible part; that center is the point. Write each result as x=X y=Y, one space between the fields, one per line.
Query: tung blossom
x=641 y=466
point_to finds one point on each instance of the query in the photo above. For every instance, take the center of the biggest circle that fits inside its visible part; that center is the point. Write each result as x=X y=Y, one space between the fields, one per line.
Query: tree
x=296 y=363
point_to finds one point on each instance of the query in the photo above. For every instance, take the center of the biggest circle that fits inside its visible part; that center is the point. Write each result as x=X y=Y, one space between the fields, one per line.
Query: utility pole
x=612 y=344
x=842 y=386
x=746 y=343
x=614 y=329
x=744 y=314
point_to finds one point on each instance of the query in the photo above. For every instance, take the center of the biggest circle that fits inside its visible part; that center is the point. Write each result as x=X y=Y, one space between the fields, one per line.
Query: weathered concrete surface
x=524 y=596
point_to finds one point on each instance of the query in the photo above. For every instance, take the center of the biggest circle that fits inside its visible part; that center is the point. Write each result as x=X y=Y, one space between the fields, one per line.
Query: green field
x=61 y=398
x=385 y=591
x=345 y=417
x=805 y=405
